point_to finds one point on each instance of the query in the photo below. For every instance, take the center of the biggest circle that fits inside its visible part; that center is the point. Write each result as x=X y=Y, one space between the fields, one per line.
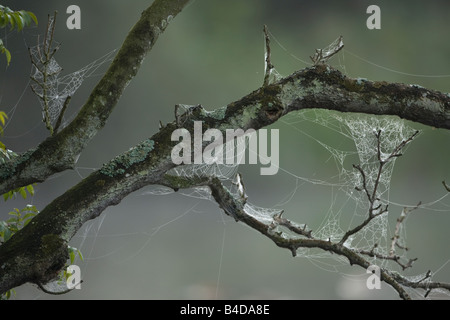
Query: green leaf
x=30 y=208
x=27 y=222
x=17 y=17
x=3 y=115
x=72 y=252
x=8 y=195
x=72 y=256
x=15 y=213
x=80 y=255
x=30 y=189
x=10 y=20
x=5 y=232
x=5 y=52
x=28 y=17
x=8 y=55
x=23 y=193
x=9 y=293
x=33 y=17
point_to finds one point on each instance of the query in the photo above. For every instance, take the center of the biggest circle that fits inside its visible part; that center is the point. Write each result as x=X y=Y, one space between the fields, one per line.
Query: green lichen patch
x=218 y=114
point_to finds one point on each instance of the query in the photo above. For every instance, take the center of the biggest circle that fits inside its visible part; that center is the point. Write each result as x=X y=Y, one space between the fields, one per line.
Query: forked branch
x=323 y=55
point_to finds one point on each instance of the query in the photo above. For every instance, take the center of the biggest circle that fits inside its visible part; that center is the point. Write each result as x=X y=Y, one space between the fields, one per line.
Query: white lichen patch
x=135 y=155
x=360 y=81
x=294 y=90
x=217 y=114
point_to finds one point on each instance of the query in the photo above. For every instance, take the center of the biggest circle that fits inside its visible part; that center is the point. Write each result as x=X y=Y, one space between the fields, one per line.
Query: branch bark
x=38 y=251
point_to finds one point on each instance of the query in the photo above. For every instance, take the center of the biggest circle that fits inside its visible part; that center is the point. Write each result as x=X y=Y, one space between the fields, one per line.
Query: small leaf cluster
x=18 y=220
x=19 y=217
x=21 y=190
x=3 y=118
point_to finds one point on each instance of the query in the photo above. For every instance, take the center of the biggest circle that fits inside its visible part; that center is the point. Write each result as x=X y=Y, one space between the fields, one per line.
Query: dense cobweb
x=52 y=88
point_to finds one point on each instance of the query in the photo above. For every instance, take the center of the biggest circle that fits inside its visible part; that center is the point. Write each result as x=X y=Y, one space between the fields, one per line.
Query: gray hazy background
x=178 y=247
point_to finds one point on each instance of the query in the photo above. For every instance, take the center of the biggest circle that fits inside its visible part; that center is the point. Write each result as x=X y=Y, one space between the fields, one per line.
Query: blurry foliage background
x=151 y=247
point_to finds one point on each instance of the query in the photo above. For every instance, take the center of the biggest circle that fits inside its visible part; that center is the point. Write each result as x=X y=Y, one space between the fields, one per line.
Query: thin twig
x=45 y=56
x=398 y=225
x=233 y=207
x=291 y=226
x=364 y=183
x=61 y=114
x=394 y=258
x=268 y=65
x=321 y=57
x=362 y=225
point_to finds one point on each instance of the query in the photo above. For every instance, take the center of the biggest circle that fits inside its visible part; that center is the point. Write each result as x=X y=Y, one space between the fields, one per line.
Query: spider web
x=361 y=130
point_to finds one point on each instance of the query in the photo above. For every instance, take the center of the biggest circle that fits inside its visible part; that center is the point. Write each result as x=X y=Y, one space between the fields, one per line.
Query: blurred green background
x=178 y=247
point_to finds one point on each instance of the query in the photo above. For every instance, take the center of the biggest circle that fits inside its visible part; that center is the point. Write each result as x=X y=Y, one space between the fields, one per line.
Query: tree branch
x=316 y=87
x=268 y=66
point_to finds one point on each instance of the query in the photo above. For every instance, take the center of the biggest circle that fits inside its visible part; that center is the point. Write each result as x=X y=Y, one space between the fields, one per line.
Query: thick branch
x=61 y=151
x=26 y=257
